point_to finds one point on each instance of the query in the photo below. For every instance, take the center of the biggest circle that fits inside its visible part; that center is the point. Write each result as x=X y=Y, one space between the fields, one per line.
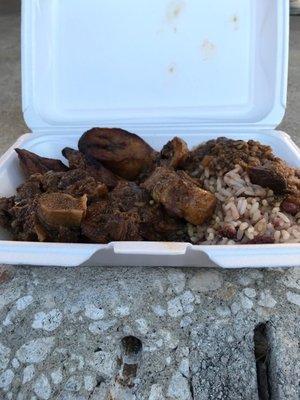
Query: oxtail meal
x=116 y=187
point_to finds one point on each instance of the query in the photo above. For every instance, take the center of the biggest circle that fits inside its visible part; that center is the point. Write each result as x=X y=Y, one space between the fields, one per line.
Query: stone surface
x=36 y=350
x=66 y=327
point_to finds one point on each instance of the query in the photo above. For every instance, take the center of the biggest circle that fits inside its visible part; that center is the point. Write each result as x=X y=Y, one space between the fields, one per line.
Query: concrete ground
x=144 y=333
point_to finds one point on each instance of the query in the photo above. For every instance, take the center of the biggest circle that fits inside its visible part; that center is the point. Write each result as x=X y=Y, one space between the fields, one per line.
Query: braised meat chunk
x=60 y=209
x=75 y=158
x=93 y=168
x=23 y=220
x=103 y=224
x=30 y=188
x=76 y=182
x=6 y=203
x=129 y=214
x=128 y=195
x=116 y=217
x=268 y=177
x=174 y=153
x=157 y=225
x=33 y=164
x=54 y=217
x=180 y=196
x=124 y=153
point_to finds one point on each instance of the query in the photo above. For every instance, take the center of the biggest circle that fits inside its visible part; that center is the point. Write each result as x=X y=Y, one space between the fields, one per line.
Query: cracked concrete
x=210 y=356
x=61 y=329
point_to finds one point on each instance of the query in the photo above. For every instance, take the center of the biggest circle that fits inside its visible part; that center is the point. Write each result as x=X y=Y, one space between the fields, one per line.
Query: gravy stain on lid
x=174 y=10
x=171 y=16
x=208 y=49
x=171 y=69
x=235 y=22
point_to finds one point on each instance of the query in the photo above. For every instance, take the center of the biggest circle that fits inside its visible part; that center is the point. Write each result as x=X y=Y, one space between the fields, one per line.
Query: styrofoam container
x=195 y=69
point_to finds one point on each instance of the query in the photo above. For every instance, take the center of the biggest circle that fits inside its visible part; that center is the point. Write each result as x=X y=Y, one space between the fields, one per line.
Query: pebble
x=170 y=340
x=293 y=298
x=56 y=376
x=227 y=292
x=6 y=378
x=158 y=310
x=8 y=295
x=93 y=312
x=187 y=297
x=197 y=299
x=168 y=360
x=291 y=278
x=15 y=363
x=244 y=280
x=47 y=321
x=99 y=327
x=10 y=316
x=266 y=300
x=235 y=308
x=28 y=373
x=4 y=356
x=246 y=303
x=177 y=280
x=36 y=350
x=73 y=384
x=249 y=292
x=156 y=393
x=175 y=308
x=184 y=351
x=89 y=382
x=256 y=275
x=122 y=311
x=42 y=387
x=205 y=281
x=158 y=285
x=189 y=308
x=142 y=325
x=103 y=363
x=223 y=311
x=184 y=367
x=263 y=312
x=186 y=321
x=24 y=302
x=179 y=387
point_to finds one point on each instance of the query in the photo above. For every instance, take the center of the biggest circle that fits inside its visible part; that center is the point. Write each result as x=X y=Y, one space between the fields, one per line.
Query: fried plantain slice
x=124 y=153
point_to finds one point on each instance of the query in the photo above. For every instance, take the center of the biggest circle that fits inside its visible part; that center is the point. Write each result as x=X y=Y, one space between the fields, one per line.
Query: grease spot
x=208 y=49
x=235 y=22
x=172 y=69
x=174 y=10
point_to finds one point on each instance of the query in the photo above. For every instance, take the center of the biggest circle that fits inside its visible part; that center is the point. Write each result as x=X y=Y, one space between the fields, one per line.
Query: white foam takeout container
x=158 y=68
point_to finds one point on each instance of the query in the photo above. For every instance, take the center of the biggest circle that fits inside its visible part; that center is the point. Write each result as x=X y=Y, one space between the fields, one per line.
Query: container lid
x=149 y=63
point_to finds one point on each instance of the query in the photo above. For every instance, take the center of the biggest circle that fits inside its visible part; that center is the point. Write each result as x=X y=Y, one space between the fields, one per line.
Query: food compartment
x=152 y=253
